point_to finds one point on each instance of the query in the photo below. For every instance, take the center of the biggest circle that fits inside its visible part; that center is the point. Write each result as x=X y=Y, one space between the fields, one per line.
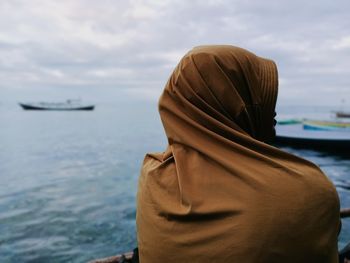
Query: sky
x=112 y=48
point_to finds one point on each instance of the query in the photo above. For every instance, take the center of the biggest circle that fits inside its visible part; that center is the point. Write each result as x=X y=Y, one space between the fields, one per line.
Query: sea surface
x=68 y=180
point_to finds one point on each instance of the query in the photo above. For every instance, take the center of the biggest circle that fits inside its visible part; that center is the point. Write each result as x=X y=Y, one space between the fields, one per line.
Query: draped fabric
x=219 y=192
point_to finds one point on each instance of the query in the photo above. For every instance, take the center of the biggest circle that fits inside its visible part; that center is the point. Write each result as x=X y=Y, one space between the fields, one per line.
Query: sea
x=68 y=180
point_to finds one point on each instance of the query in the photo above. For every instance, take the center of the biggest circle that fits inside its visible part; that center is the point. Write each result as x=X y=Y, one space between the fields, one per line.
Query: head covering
x=219 y=193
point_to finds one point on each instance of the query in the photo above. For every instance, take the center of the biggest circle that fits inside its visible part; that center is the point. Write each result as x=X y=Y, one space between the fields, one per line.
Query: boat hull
x=295 y=135
x=310 y=126
x=326 y=125
x=325 y=144
x=35 y=107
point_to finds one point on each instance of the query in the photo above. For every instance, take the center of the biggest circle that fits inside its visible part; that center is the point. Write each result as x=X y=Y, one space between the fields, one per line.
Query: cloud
x=342 y=43
x=134 y=45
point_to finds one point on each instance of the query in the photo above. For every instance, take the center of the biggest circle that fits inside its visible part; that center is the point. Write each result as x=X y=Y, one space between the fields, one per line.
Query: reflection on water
x=69 y=179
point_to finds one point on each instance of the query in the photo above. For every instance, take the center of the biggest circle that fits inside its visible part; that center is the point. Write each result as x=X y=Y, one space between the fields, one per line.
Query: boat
x=68 y=105
x=326 y=125
x=289 y=121
x=342 y=114
x=296 y=136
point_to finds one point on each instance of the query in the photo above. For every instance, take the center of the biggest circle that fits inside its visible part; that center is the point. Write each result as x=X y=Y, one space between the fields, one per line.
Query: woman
x=220 y=193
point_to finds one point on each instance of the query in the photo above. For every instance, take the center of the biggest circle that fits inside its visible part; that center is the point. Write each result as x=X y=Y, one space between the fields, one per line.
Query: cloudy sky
x=50 y=47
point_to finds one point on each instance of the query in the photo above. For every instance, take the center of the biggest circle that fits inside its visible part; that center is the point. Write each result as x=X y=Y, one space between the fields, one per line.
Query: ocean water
x=68 y=180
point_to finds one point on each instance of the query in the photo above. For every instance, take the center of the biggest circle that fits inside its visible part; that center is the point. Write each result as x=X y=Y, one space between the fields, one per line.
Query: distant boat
x=68 y=105
x=289 y=121
x=342 y=114
x=326 y=125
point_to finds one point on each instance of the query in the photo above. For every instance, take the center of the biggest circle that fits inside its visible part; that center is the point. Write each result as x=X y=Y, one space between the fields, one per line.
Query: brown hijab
x=219 y=193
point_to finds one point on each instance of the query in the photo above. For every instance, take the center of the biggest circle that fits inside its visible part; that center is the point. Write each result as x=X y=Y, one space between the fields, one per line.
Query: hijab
x=219 y=192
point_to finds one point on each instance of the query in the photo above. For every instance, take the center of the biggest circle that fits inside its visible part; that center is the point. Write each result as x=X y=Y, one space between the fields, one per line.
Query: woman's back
x=219 y=193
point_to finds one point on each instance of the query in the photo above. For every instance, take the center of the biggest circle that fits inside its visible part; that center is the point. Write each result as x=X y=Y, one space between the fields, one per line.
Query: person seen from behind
x=220 y=192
